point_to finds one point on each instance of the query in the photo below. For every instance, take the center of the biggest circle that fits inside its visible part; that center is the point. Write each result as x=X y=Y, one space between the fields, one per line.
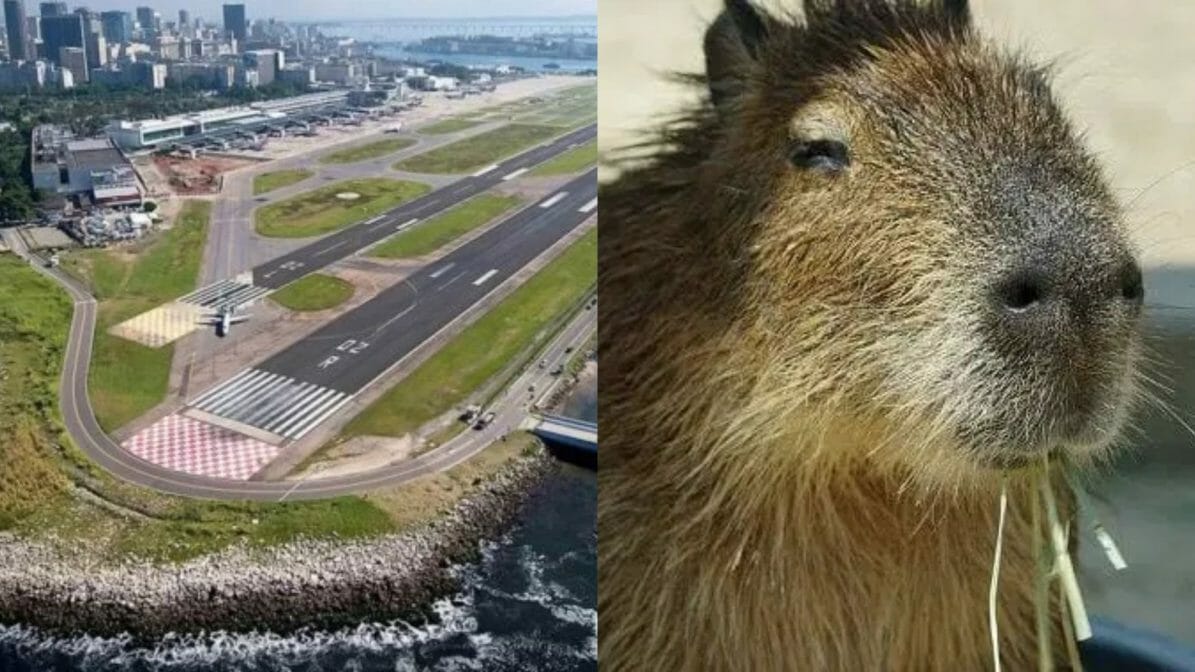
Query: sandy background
x=1127 y=75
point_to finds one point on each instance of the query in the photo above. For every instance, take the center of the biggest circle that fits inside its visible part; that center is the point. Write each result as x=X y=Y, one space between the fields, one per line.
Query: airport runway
x=293 y=391
x=522 y=237
x=281 y=270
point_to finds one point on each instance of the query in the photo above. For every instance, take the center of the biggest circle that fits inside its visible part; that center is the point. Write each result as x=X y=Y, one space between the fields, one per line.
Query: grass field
x=448 y=126
x=484 y=348
x=267 y=182
x=313 y=292
x=365 y=152
x=127 y=378
x=446 y=227
x=321 y=211
x=479 y=150
x=569 y=108
x=34 y=314
x=571 y=161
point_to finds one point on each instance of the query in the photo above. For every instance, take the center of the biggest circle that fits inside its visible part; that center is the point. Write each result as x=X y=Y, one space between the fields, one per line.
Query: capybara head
x=923 y=244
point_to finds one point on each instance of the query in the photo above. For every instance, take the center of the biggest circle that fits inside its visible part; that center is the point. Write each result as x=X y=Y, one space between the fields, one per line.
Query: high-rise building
x=263 y=62
x=117 y=26
x=75 y=60
x=145 y=19
x=20 y=46
x=97 y=50
x=184 y=19
x=234 y=22
x=48 y=9
x=62 y=31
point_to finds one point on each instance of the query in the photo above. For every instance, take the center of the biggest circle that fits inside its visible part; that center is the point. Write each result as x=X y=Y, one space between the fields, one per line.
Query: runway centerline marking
x=488 y=274
x=454 y=278
x=485 y=170
x=588 y=206
x=442 y=270
x=330 y=248
x=553 y=200
x=513 y=174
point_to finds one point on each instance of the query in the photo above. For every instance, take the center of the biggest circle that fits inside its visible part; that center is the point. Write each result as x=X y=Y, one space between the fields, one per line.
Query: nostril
x=1020 y=292
x=1132 y=286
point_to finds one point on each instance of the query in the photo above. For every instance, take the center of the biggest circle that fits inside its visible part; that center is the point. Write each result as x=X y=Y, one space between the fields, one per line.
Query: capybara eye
x=822 y=155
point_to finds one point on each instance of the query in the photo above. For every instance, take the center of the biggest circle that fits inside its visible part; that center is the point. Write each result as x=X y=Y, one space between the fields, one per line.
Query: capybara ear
x=732 y=48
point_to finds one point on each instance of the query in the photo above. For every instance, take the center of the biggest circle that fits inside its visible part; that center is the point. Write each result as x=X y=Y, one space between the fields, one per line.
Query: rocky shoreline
x=321 y=584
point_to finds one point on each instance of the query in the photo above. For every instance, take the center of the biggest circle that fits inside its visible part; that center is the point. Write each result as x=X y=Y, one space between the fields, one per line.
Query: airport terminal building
x=227 y=121
x=89 y=167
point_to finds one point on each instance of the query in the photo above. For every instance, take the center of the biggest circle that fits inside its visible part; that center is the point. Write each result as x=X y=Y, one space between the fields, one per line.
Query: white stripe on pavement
x=488 y=274
x=554 y=200
x=442 y=270
x=485 y=170
x=588 y=206
x=514 y=174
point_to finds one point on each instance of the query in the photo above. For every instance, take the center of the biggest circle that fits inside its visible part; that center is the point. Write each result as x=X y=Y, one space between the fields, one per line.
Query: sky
x=360 y=9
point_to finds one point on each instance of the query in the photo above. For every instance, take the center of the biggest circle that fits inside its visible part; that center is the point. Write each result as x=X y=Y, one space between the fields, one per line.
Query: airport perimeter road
x=309 y=258
x=298 y=388
x=79 y=417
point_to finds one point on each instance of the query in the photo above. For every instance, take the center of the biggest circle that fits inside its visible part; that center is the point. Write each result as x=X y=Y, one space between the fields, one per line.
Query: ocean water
x=528 y=63
x=530 y=603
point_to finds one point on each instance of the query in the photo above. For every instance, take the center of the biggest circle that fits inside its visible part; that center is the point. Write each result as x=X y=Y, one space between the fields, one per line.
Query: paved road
x=296 y=389
x=80 y=422
x=281 y=270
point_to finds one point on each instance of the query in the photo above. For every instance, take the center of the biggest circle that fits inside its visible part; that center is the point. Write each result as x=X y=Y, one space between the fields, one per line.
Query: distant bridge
x=571 y=438
x=378 y=30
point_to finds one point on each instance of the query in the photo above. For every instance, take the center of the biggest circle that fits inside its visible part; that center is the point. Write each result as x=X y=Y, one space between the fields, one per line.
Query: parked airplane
x=223 y=319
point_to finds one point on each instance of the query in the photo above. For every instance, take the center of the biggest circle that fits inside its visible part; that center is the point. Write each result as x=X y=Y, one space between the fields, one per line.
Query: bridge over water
x=569 y=438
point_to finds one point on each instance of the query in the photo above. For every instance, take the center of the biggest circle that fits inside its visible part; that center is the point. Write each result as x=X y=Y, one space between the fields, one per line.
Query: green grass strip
x=479 y=150
x=446 y=227
x=313 y=292
x=322 y=210
x=366 y=152
x=571 y=161
x=267 y=182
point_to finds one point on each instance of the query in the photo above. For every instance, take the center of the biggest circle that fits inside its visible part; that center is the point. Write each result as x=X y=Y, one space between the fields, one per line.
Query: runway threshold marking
x=442 y=270
x=488 y=274
x=485 y=170
x=588 y=206
x=553 y=200
x=513 y=174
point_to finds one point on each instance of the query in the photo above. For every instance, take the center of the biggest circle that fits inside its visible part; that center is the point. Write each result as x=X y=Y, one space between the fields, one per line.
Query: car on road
x=559 y=369
x=484 y=420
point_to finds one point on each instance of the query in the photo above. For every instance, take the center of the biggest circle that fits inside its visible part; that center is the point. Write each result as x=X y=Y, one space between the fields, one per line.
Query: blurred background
x=1126 y=73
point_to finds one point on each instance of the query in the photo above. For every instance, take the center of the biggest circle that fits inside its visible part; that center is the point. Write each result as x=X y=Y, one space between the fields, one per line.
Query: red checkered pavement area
x=184 y=444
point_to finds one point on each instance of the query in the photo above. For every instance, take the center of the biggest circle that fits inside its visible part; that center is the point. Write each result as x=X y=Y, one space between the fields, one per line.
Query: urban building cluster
x=63 y=48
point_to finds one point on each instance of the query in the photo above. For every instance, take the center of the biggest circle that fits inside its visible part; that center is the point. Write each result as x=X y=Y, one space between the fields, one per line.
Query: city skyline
x=300 y=10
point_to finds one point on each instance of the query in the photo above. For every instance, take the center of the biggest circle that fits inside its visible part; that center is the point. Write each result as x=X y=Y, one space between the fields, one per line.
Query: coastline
x=322 y=584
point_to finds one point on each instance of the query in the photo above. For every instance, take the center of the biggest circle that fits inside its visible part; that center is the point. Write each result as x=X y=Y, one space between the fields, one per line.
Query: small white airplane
x=223 y=319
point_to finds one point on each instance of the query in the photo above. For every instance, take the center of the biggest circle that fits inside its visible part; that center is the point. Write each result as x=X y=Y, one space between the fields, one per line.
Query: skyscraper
x=75 y=60
x=145 y=19
x=184 y=18
x=62 y=31
x=20 y=47
x=49 y=9
x=117 y=26
x=234 y=21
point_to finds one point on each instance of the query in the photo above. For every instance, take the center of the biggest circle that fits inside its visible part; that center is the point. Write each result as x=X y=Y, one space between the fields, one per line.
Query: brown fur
x=788 y=481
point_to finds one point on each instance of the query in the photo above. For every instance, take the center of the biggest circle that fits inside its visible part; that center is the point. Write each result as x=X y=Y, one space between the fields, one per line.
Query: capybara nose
x=1068 y=294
